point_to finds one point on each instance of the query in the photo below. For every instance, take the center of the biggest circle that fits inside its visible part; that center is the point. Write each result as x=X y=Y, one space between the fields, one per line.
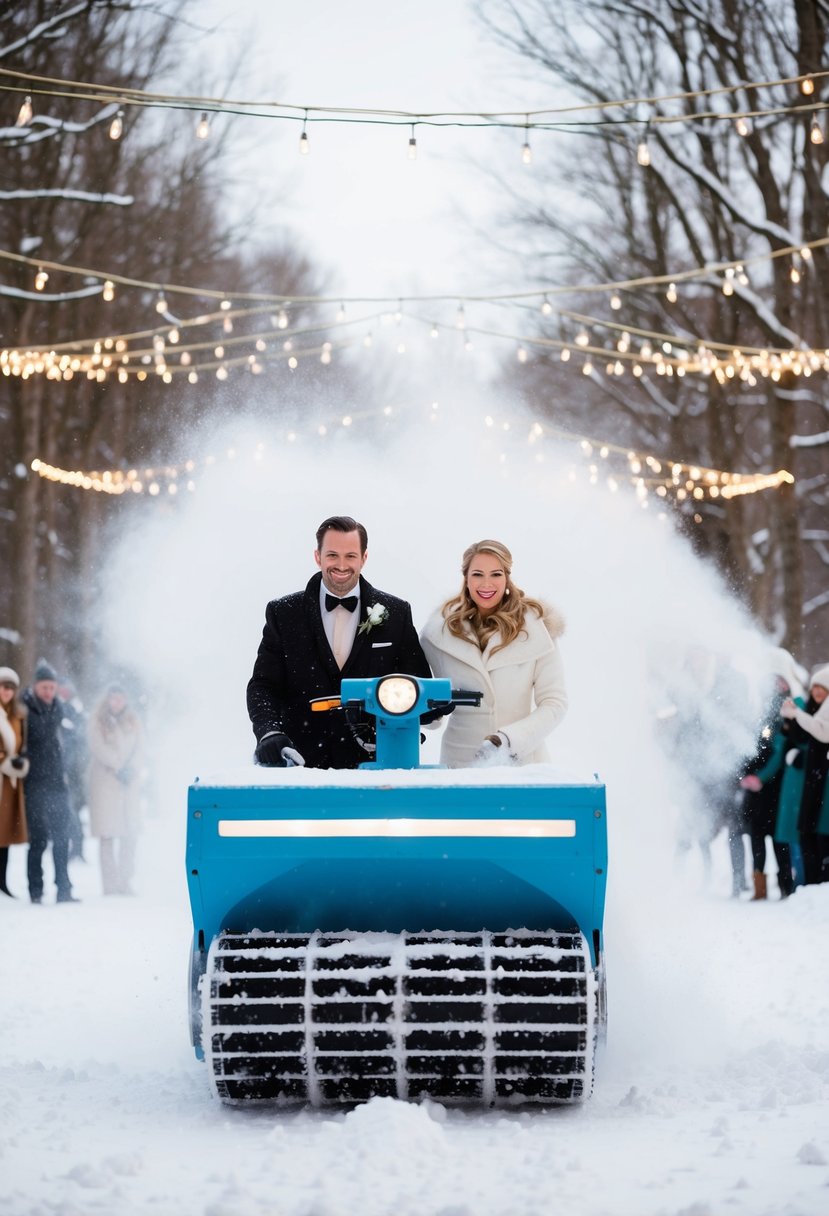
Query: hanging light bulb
x=615 y=302
x=412 y=153
x=161 y=303
x=522 y=354
x=670 y=294
x=303 y=139
x=41 y=279
x=116 y=127
x=109 y=290
x=807 y=86
x=526 y=150
x=794 y=274
x=546 y=307
x=203 y=127
x=643 y=153
x=742 y=126
x=815 y=131
x=341 y=314
x=25 y=113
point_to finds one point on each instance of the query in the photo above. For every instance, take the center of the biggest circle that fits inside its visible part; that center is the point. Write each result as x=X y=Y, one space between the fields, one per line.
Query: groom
x=339 y=626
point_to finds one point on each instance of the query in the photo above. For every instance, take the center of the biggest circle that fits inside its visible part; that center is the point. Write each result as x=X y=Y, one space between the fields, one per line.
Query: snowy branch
x=44 y=126
x=817 y=601
x=44 y=28
x=75 y=196
x=809 y=441
x=759 y=224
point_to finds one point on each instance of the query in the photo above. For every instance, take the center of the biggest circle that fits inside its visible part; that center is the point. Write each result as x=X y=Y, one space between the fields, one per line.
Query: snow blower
x=398 y=930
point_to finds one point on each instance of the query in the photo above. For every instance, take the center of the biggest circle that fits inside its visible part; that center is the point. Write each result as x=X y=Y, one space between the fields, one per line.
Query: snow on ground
x=712 y=1095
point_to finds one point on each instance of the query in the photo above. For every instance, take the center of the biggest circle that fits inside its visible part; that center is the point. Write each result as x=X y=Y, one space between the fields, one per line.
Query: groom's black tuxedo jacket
x=295 y=663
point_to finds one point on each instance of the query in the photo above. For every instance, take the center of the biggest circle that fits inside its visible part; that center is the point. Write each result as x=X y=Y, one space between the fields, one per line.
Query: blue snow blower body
x=398 y=930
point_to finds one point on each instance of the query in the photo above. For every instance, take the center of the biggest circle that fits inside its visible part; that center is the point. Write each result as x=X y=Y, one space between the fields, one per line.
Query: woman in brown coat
x=116 y=745
x=13 y=770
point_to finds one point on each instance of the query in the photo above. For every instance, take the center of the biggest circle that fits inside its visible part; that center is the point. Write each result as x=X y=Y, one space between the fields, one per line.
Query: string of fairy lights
x=171 y=347
x=654 y=479
x=159 y=351
x=638 y=112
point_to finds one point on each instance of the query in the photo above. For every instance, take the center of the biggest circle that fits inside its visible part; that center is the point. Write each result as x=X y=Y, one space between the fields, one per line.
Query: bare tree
x=717 y=189
x=146 y=206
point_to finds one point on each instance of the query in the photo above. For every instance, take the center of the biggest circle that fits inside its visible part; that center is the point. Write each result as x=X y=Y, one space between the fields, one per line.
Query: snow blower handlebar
x=397 y=703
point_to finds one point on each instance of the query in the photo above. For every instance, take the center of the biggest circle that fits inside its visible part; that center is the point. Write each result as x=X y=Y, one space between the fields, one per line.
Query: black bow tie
x=331 y=602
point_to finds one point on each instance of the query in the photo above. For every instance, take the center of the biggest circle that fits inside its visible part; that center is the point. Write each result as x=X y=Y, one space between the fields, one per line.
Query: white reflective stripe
x=397 y=827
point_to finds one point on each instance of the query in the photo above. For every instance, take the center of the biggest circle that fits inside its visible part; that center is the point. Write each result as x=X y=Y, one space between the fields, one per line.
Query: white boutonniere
x=376 y=614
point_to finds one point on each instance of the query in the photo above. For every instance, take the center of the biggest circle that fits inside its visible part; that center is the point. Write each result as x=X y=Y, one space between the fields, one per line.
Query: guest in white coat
x=116 y=749
x=493 y=638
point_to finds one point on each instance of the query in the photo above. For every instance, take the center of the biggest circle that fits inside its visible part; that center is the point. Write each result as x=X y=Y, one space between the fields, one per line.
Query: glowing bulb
x=161 y=304
x=341 y=313
x=742 y=126
x=670 y=294
x=643 y=154
x=25 y=113
x=41 y=279
x=526 y=154
x=304 y=147
x=815 y=131
x=615 y=302
x=116 y=127
x=109 y=290
x=807 y=86
x=546 y=307
x=794 y=274
x=203 y=127
x=522 y=354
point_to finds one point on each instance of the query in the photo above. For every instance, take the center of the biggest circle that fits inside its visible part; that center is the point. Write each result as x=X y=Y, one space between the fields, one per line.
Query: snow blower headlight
x=397 y=694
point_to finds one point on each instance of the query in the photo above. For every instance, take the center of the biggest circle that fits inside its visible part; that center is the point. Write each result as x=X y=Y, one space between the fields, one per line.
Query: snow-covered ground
x=712 y=1096
x=713 y=1093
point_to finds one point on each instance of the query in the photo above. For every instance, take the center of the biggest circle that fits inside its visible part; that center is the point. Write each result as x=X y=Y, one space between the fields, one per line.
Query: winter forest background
x=716 y=245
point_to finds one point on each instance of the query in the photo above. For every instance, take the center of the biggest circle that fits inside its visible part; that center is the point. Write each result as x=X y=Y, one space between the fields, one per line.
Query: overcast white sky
x=380 y=223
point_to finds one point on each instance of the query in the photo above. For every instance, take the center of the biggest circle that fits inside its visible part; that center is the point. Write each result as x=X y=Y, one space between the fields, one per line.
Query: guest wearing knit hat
x=13 y=770
x=47 y=791
x=45 y=671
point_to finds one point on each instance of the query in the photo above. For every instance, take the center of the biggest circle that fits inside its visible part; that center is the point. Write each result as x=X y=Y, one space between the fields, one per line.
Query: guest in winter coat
x=763 y=779
x=47 y=792
x=13 y=769
x=808 y=731
x=493 y=638
x=116 y=747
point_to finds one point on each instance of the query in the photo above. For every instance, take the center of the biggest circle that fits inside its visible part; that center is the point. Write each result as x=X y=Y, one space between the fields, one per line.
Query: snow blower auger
x=397 y=930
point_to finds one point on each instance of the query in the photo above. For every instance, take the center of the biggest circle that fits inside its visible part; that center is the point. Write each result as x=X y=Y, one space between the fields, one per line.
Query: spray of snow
x=639 y=606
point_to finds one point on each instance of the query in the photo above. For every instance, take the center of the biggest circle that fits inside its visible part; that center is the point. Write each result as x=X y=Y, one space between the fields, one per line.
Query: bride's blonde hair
x=462 y=614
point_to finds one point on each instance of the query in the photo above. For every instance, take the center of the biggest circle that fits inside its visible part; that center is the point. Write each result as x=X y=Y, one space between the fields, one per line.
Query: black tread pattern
x=492 y=1019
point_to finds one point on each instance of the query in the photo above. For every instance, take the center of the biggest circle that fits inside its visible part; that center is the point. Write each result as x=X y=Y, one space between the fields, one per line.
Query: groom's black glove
x=277 y=751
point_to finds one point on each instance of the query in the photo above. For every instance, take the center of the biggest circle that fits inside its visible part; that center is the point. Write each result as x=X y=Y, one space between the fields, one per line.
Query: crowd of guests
x=786 y=795
x=766 y=790
x=55 y=763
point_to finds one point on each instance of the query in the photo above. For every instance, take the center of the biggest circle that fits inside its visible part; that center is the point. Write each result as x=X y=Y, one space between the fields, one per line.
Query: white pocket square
x=377 y=645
